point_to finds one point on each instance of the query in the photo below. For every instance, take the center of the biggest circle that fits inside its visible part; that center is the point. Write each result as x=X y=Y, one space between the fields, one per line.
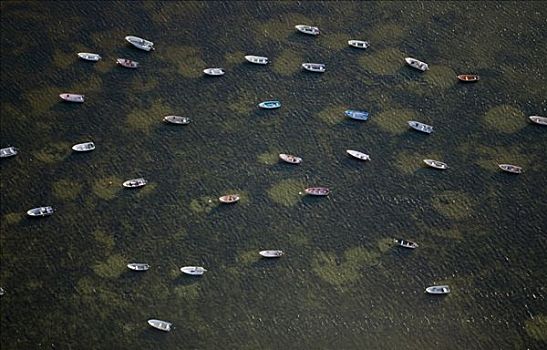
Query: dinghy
x=269 y=104
x=358 y=44
x=406 y=244
x=257 y=59
x=414 y=63
x=510 y=168
x=302 y=28
x=436 y=164
x=357 y=115
x=317 y=191
x=314 y=67
x=140 y=43
x=161 y=325
x=271 y=253
x=290 y=158
x=89 y=56
x=438 y=290
x=358 y=155
x=214 y=71
x=40 y=211
x=468 y=78
x=538 y=120
x=175 y=119
x=138 y=266
x=8 y=152
x=124 y=62
x=428 y=129
x=193 y=270
x=84 y=147
x=72 y=97
x=134 y=183
x=229 y=198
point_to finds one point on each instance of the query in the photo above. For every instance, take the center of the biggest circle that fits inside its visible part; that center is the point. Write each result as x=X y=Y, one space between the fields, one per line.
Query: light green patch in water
x=334 y=41
x=104 y=239
x=269 y=158
x=54 y=152
x=203 y=205
x=385 y=244
x=287 y=63
x=453 y=204
x=108 y=187
x=42 y=99
x=12 y=112
x=537 y=328
x=63 y=59
x=440 y=77
x=488 y=157
x=299 y=239
x=167 y=12
x=187 y=292
x=233 y=58
x=384 y=62
x=505 y=118
x=247 y=258
x=142 y=119
x=146 y=190
x=243 y=103
x=287 y=192
x=12 y=218
x=333 y=115
x=386 y=34
x=66 y=190
x=113 y=37
x=275 y=29
x=395 y=121
x=112 y=267
x=408 y=162
x=143 y=84
x=186 y=59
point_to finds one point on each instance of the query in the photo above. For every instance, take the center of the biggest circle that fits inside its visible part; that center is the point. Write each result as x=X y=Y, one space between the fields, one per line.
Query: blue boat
x=359 y=115
x=269 y=104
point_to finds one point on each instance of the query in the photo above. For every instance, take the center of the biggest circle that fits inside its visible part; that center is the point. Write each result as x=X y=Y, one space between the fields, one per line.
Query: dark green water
x=342 y=284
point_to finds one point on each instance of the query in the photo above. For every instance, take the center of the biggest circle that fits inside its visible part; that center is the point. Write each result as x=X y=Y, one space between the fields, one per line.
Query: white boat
x=436 y=164
x=175 y=119
x=438 y=290
x=72 y=97
x=127 y=63
x=510 y=168
x=257 y=59
x=140 y=43
x=8 y=152
x=428 y=129
x=406 y=244
x=40 y=211
x=214 y=71
x=538 y=120
x=89 y=56
x=193 y=270
x=229 y=198
x=271 y=253
x=161 y=325
x=358 y=115
x=289 y=158
x=133 y=183
x=84 y=147
x=138 y=266
x=360 y=44
x=307 y=29
x=414 y=63
x=269 y=104
x=358 y=155
x=314 y=67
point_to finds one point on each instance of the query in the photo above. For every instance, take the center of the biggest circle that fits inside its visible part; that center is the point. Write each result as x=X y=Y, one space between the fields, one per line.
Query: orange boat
x=468 y=78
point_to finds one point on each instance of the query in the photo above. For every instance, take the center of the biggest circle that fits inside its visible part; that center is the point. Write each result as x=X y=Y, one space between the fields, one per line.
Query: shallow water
x=342 y=283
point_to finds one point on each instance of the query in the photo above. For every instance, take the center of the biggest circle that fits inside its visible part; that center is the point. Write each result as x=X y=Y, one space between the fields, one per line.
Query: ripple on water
x=66 y=190
x=286 y=192
x=455 y=205
x=287 y=62
x=107 y=188
x=505 y=118
x=383 y=62
x=395 y=121
x=111 y=267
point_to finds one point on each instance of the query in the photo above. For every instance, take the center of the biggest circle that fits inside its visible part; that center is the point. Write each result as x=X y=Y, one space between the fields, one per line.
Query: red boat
x=317 y=191
x=468 y=78
x=124 y=62
x=72 y=97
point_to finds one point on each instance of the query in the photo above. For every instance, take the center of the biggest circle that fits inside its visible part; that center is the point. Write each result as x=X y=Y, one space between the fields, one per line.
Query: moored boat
x=414 y=63
x=436 y=164
x=438 y=289
x=193 y=270
x=468 y=78
x=214 y=71
x=269 y=104
x=317 y=191
x=140 y=43
x=357 y=115
x=138 y=266
x=40 y=211
x=428 y=129
x=510 y=168
x=84 y=147
x=358 y=155
x=8 y=152
x=406 y=244
x=134 y=183
x=271 y=253
x=175 y=119
x=360 y=44
x=124 y=62
x=314 y=67
x=229 y=198
x=538 y=120
x=307 y=29
x=289 y=158
x=161 y=325
x=257 y=59
x=89 y=56
x=72 y=97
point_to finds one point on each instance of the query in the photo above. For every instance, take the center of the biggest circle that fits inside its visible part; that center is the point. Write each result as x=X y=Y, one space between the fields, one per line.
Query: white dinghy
x=89 y=56
x=193 y=270
x=271 y=253
x=161 y=325
x=84 y=147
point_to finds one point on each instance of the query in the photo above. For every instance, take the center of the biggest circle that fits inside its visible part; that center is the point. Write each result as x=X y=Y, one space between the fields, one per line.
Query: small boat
x=317 y=191
x=138 y=266
x=358 y=44
x=406 y=244
x=257 y=59
x=72 y=97
x=269 y=104
x=358 y=155
x=229 y=198
x=290 y=158
x=84 y=147
x=161 y=325
x=40 y=211
x=134 y=183
x=2 y=291
x=140 y=43
x=314 y=67
x=175 y=119
x=307 y=29
x=124 y=62
x=538 y=120
x=193 y=270
x=414 y=63
x=510 y=168
x=214 y=71
x=436 y=164
x=468 y=78
x=271 y=253
x=89 y=56
x=438 y=290
x=358 y=115
x=8 y=152
x=428 y=129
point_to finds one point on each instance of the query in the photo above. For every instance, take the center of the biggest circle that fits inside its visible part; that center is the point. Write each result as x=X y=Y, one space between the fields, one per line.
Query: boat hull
x=138 y=266
x=288 y=158
x=161 y=325
x=468 y=78
x=215 y=72
x=271 y=253
x=140 y=43
x=84 y=147
x=317 y=191
x=175 y=119
x=358 y=155
x=417 y=64
x=40 y=211
x=428 y=129
x=257 y=59
x=314 y=67
x=310 y=30
x=193 y=270
x=230 y=198
x=357 y=115
x=513 y=169
x=135 y=183
x=124 y=62
x=269 y=104
x=359 y=44
x=436 y=164
x=86 y=56
x=538 y=120
x=8 y=152
x=438 y=290
x=72 y=97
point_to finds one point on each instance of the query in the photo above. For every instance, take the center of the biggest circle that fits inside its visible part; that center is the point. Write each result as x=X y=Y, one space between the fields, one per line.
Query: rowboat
x=314 y=67
x=214 y=71
x=436 y=164
x=438 y=290
x=40 y=211
x=138 y=266
x=134 y=183
x=140 y=43
x=193 y=270
x=269 y=104
x=428 y=129
x=358 y=155
x=271 y=253
x=84 y=147
x=358 y=115
x=72 y=97
x=229 y=198
x=317 y=191
x=161 y=325
x=414 y=63
x=124 y=62
x=406 y=244
x=8 y=152
x=538 y=120
x=307 y=29
x=175 y=119
x=290 y=158
x=89 y=56
x=257 y=59
x=358 y=44
x=510 y=168
x=468 y=78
